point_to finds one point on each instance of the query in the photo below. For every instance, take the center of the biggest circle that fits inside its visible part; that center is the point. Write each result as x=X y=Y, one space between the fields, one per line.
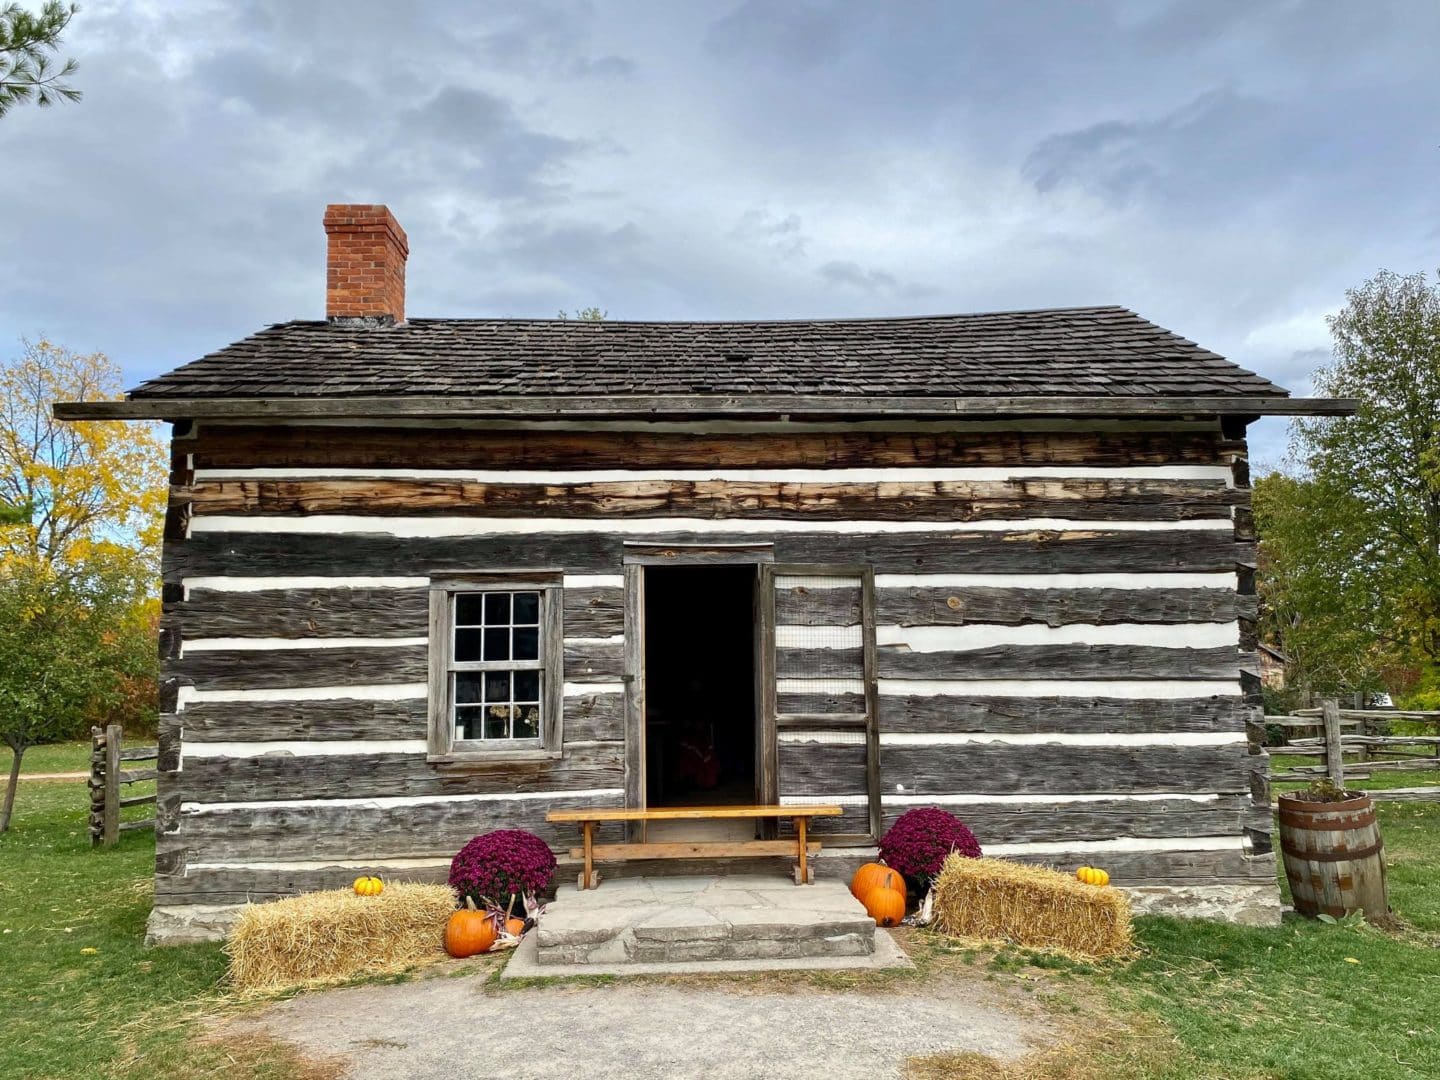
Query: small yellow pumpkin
x=369 y=886
x=1092 y=876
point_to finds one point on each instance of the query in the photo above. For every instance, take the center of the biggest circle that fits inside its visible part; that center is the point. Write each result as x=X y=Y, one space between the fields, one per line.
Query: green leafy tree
x=1352 y=542
x=26 y=71
x=1318 y=603
x=589 y=314
x=68 y=654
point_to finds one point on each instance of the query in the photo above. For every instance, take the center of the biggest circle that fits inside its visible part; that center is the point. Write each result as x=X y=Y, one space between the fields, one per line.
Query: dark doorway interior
x=700 y=708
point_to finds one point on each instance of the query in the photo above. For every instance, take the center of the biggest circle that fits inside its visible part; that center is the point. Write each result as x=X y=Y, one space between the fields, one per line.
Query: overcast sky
x=1225 y=167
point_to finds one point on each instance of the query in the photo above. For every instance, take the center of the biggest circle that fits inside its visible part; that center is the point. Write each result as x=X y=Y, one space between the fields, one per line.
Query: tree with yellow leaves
x=79 y=551
x=80 y=488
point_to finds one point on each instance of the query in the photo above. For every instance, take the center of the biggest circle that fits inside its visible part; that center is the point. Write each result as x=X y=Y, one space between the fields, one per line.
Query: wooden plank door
x=822 y=714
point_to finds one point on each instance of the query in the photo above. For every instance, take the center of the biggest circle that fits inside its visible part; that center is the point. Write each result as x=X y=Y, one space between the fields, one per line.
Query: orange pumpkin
x=469 y=931
x=885 y=905
x=514 y=927
x=874 y=874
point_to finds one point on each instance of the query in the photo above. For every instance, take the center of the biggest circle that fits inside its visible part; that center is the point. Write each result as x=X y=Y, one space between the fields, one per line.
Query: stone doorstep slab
x=702 y=918
x=690 y=934
x=725 y=949
x=886 y=954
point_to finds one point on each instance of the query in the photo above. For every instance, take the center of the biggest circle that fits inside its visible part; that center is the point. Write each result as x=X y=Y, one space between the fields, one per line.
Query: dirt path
x=54 y=776
x=444 y=1028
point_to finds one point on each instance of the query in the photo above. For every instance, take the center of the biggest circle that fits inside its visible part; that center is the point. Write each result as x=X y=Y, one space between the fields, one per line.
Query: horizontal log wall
x=296 y=609
x=353 y=829
x=1043 y=820
x=1083 y=499
x=250 y=447
x=1027 y=551
x=1003 y=769
x=368 y=776
x=939 y=606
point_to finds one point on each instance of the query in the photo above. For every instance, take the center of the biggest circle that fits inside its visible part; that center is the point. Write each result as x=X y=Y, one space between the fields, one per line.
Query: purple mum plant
x=497 y=865
x=921 y=839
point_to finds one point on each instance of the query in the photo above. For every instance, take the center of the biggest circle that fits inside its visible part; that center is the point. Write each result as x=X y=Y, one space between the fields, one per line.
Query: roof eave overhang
x=695 y=406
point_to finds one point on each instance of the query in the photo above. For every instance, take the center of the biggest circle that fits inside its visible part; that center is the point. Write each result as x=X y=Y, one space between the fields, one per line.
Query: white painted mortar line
x=887 y=474
x=418 y=527
x=381 y=802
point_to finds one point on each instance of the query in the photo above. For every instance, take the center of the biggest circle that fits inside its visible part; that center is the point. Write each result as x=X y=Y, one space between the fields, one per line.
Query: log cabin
x=424 y=578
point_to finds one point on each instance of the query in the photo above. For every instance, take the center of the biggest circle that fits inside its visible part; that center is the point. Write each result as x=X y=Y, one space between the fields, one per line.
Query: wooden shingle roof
x=1096 y=352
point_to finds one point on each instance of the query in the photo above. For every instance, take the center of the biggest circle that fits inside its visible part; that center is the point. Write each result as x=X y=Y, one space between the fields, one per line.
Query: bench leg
x=804 y=866
x=588 y=828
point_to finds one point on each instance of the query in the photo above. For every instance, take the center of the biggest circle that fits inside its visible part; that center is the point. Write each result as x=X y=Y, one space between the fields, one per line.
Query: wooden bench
x=590 y=851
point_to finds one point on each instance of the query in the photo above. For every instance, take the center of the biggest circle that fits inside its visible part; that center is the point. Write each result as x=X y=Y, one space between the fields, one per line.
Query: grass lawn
x=80 y=995
x=1307 y=999
x=1304 y=1001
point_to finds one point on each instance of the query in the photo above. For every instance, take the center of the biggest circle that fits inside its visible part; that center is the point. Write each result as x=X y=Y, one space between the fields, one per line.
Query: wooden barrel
x=1334 y=857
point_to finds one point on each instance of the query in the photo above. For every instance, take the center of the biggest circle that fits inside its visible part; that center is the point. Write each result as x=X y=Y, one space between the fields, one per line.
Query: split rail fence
x=112 y=770
x=1363 y=735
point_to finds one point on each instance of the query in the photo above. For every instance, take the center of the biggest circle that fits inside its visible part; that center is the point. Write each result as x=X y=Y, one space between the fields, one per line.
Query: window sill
x=481 y=759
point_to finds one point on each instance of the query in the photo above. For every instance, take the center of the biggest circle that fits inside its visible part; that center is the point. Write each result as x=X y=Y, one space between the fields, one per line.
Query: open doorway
x=700 y=690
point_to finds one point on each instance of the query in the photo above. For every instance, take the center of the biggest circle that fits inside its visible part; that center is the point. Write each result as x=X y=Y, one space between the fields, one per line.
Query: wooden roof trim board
x=656 y=406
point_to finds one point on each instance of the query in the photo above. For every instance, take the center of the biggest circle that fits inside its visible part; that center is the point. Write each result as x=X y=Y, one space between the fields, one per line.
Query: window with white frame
x=495 y=665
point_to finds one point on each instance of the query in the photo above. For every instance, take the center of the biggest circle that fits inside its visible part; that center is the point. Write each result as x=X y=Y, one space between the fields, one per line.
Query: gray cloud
x=472 y=140
x=1121 y=159
x=784 y=235
x=789 y=32
x=854 y=276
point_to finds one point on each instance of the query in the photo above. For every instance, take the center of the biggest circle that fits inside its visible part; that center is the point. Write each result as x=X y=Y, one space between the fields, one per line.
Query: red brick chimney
x=365 y=268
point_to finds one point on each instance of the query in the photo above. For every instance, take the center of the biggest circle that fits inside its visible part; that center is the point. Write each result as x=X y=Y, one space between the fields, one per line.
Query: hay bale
x=327 y=936
x=998 y=900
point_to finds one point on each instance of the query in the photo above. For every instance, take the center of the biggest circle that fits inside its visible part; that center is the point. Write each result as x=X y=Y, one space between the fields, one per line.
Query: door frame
x=637 y=555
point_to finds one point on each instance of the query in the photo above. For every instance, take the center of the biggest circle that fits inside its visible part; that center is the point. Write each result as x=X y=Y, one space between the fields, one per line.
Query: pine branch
x=26 y=71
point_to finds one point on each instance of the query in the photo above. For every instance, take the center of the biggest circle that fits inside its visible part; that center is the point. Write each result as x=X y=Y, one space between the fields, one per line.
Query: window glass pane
x=527 y=608
x=527 y=721
x=467 y=687
x=467 y=722
x=527 y=686
x=468 y=608
x=467 y=645
x=500 y=628
x=527 y=642
x=497 y=608
x=497 y=686
x=497 y=722
x=497 y=644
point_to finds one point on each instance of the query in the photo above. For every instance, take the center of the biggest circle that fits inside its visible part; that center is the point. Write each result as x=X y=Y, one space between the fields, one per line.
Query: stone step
x=688 y=919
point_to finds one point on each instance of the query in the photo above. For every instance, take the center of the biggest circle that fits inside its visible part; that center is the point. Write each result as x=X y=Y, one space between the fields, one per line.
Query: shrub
x=497 y=865
x=921 y=839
